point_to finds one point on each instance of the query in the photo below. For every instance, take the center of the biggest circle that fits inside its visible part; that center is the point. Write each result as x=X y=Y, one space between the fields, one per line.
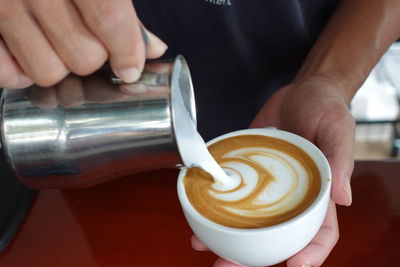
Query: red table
x=137 y=221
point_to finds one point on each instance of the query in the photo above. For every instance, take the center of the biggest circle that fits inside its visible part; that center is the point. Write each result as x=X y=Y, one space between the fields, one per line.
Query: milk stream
x=192 y=148
x=202 y=159
x=278 y=182
x=194 y=153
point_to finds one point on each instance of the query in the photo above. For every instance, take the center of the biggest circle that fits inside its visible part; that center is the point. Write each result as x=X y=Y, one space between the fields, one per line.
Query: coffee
x=278 y=181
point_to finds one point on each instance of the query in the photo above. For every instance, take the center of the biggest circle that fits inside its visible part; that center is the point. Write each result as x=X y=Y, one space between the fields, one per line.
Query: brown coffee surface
x=249 y=211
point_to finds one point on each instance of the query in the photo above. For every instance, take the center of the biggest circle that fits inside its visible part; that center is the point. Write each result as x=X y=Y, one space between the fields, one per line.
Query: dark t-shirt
x=239 y=52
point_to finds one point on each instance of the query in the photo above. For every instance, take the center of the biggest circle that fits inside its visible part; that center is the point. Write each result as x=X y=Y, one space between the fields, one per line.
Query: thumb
x=269 y=114
x=335 y=138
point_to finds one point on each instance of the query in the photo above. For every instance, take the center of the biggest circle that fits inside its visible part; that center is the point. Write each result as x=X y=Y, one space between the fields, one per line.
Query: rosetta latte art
x=278 y=181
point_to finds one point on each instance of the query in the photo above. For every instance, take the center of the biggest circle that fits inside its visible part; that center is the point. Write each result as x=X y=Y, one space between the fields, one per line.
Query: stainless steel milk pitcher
x=87 y=130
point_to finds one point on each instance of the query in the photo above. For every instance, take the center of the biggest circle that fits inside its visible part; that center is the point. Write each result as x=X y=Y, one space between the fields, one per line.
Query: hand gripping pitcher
x=88 y=130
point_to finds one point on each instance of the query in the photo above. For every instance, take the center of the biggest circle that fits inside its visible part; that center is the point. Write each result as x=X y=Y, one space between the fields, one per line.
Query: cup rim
x=323 y=165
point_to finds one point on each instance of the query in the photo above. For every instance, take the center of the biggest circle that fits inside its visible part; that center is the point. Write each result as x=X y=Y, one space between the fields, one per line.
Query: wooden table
x=137 y=221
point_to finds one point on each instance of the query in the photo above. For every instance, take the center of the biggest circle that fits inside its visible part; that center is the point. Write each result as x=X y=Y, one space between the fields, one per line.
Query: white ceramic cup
x=268 y=245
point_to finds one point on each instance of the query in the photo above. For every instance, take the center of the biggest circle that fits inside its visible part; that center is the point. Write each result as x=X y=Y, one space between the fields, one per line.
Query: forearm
x=356 y=36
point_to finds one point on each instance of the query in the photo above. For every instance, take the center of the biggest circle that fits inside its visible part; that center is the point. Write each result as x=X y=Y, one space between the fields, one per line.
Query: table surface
x=137 y=221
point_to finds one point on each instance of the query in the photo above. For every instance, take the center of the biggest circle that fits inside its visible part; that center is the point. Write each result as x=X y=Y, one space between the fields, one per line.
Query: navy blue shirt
x=239 y=52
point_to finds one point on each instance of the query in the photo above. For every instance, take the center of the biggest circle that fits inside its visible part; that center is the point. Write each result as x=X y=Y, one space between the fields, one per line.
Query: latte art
x=278 y=181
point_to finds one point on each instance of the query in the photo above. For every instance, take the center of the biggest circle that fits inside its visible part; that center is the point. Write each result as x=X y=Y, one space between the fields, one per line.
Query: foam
x=247 y=175
x=286 y=188
x=189 y=140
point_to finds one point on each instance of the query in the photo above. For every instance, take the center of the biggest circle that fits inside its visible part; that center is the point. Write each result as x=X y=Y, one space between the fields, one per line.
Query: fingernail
x=196 y=244
x=152 y=39
x=347 y=189
x=198 y=249
x=306 y=265
x=129 y=75
x=163 y=46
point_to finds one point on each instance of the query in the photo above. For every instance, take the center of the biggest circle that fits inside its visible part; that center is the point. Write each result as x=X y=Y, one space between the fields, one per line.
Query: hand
x=317 y=110
x=41 y=41
x=312 y=255
x=75 y=91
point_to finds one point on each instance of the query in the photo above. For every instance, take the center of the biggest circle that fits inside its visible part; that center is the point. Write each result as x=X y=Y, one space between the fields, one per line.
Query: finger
x=70 y=92
x=197 y=244
x=155 y=48
x=159 y=67
x=134 y=89
x=98 y=90
x=11 y=75
x=315 y=253
x=79 y=49
x=336 y=140
x=264 y=119
x=115 y=23
x=225 y=263
x=140 y=88
x=30 y=47
x=318 y=249
x=44 y=97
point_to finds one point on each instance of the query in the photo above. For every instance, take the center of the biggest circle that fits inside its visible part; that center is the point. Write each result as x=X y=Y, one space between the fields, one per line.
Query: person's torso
x=239 y=52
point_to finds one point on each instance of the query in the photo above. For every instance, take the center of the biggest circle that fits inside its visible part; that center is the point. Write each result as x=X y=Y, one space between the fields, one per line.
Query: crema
x=278 y=181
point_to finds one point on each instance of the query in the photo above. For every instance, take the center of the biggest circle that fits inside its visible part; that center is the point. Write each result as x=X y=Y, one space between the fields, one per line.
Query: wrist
x=352 y=43
x=336 y=87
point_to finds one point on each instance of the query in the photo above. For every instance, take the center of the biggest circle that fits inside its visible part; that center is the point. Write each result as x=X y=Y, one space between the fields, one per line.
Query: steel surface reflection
x=87 y=130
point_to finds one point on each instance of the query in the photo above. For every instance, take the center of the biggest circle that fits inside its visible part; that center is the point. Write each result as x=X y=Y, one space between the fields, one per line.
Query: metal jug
x=87 y=130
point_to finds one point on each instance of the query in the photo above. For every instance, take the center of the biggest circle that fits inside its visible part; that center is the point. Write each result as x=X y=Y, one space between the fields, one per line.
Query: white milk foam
x=201 y=158
x=192 y=148
x=286 y=189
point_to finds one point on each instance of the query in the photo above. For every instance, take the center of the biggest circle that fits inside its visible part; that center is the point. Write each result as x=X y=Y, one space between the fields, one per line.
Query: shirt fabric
x=239 y=52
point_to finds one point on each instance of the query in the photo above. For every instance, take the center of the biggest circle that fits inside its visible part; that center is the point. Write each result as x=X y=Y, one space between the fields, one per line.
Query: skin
x=33 y=48
x=74 y=90
x=315 y=105
x=42 y=41
x=326 y=121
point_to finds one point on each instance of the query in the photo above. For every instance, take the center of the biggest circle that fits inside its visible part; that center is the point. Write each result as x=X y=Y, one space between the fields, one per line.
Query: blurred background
x=376 y=110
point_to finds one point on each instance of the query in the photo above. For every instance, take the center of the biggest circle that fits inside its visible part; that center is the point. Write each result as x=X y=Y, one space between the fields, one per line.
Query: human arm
x=42 y=41
x=353 y=41
x=316 y=104
x=355 y=38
